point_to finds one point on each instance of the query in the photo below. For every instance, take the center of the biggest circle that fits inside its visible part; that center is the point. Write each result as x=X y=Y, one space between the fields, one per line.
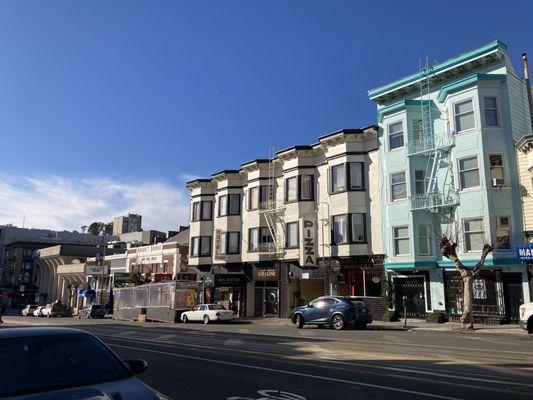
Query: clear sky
x=110 y=106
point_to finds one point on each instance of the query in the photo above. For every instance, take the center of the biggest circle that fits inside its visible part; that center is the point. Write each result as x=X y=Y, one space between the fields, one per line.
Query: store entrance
x=266 y=299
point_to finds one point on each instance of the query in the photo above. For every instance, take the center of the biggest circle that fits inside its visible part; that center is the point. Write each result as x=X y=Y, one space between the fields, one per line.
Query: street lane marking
x=281 y=371
x=359 y=341
x=332 y=360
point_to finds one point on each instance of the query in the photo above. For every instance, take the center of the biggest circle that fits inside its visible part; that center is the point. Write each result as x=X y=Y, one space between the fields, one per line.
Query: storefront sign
x=94 y=270
x=265 y=274
x=308 y=242
x=162 y=278
x=121 y=279
x=229 y=280
x=218 y=247
x=525 y=252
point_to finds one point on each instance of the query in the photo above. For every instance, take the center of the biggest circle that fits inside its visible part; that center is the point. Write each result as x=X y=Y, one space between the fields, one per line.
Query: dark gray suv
x=335 y=311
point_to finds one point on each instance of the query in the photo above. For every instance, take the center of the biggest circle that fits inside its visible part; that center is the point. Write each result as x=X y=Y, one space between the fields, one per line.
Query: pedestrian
x=2 y=311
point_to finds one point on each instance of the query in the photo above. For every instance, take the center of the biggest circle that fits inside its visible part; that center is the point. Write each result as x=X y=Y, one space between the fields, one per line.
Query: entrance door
x=413 y=289
x=271 y=302
x=513 y=296
x=266 y=302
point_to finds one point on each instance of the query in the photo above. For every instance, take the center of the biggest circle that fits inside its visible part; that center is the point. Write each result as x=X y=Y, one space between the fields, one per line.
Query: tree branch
x=487 y=249
x=449 y=250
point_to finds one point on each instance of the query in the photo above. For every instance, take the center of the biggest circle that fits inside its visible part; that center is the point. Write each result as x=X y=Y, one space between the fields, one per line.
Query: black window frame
x=297 y=235
x=346 y=168
x=226 y=249
x=260 y=230
x=200 y=242
x=299 y=188
x=349 y=231
x=249 y=202
x=227 y=212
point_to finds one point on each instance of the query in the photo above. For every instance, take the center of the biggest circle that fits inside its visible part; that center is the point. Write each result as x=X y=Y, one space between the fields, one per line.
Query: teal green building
x=446 y=138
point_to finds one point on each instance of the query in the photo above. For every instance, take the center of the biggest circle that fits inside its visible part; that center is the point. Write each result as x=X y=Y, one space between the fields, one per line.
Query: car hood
x=131 y=389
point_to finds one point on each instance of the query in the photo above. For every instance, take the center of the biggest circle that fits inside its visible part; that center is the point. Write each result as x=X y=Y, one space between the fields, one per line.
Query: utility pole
x=103 y=230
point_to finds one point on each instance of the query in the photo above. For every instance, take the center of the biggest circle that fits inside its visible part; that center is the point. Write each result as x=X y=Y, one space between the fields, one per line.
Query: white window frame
x=482 y=231
x=250 y=205
x=288 y=198
x=400 y=121
x=471 y=99
x=391 y=198
x=311 y=187
x=394 y=238
x=428 y=239
x=497 y=109
x=459 y=171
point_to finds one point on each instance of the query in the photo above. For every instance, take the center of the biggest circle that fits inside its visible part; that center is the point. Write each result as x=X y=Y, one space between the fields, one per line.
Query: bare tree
x=448 y=248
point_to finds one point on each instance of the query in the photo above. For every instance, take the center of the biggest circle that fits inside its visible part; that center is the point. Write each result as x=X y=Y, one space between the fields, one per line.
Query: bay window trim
x=348 y=233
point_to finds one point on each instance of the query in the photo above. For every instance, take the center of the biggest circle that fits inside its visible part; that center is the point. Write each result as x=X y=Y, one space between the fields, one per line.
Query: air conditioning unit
x=498 y=182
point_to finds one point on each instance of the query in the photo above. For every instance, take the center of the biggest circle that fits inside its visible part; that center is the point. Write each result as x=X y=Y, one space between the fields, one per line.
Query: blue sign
x=525 y=252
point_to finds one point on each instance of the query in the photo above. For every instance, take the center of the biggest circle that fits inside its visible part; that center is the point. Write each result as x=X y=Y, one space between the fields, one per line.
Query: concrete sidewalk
x=416 y=326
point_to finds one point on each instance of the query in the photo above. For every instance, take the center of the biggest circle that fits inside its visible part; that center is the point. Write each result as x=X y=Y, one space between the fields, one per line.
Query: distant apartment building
x=448 y=167
x=127 y=223
x=280 y=232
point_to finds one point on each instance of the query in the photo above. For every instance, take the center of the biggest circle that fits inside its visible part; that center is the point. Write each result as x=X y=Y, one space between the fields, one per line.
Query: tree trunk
x=467 y=319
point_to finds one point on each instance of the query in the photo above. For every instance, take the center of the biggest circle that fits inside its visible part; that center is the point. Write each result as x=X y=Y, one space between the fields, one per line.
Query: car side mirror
x=136 y=366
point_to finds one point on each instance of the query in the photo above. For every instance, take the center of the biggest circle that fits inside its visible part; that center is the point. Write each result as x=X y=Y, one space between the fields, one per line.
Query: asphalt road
x=257 y=361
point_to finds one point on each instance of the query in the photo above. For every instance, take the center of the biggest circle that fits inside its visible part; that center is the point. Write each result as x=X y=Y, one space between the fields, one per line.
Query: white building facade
x=278 y=233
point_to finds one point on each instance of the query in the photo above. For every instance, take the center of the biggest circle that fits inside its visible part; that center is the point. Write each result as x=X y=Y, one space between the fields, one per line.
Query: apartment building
x=448 y=167
x=279 y=232
x=127 y=223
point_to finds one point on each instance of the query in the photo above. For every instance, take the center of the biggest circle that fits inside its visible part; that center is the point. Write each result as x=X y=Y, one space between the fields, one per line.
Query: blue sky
x=140 y=93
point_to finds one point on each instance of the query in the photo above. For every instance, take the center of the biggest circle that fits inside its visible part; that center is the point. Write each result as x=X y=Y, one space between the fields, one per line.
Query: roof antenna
x=528 y=86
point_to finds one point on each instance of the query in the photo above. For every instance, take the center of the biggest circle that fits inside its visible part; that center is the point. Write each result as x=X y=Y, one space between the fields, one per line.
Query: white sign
x=308 y=245
x=94 y=270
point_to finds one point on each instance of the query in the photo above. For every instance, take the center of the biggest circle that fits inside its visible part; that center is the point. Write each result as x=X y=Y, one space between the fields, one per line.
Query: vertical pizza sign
x=308 y=245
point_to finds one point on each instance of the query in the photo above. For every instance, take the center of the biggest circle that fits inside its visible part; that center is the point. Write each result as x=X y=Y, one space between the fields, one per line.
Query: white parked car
x=38 y=311
x=526 y=317
x=207 y=313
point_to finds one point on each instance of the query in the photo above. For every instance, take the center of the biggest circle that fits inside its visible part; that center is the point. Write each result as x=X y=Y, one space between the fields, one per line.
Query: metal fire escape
x=273 y=212
x=436 y=148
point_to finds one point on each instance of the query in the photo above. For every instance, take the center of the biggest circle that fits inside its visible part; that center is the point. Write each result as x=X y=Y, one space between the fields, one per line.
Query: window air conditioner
x=497 y=182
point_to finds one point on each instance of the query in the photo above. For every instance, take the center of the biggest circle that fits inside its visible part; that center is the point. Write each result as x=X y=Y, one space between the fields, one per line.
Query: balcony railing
x=438 y=141
x=434 y=200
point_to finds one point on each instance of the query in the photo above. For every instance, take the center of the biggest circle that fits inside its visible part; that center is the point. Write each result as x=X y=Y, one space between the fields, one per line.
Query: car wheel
x=299 y=321
x=337 y=322
x=530 y=325
x=206 y=319
x=184 y=319
x=79 y=316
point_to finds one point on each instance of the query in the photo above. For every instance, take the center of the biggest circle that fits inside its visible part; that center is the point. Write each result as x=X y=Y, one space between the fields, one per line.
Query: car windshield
x=216 y=307
x=55 y=362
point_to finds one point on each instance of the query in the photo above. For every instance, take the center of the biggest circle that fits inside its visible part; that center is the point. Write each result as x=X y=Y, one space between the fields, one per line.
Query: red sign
x=162 y=277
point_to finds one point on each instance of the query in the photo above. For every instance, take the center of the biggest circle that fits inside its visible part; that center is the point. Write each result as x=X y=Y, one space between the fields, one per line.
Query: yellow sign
x=190 y=298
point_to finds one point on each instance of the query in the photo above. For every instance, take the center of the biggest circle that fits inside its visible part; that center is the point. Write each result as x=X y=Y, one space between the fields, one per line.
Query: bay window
x=291 y=240
x=464 y=116
x=468 y=172
x=395 y=133
x=401 y=240
x=473 y=232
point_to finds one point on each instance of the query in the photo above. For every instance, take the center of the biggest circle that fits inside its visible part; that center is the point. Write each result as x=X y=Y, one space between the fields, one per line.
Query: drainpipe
x=528 y=86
